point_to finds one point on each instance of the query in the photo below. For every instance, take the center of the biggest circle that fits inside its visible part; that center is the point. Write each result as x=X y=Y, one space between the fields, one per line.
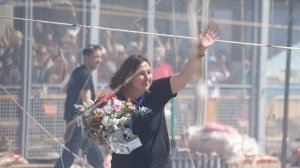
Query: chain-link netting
x=234 y=76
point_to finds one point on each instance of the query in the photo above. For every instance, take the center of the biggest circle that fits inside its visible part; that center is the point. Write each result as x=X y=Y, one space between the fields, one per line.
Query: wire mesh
x=10 y=118
x=231 y=72
x=47 y=107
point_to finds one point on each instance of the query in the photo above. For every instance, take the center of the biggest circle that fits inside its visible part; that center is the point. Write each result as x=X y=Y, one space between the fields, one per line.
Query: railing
x=47 y=106
x=188 y=159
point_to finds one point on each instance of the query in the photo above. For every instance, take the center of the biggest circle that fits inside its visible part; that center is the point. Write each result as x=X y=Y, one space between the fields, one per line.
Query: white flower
x=115 y=127
x=124 y=120
x=116 y=114
x=108 y=109
x=117 y=101
x=107 y=121
x=128 y=115
x=115 y=121
x=99 y=110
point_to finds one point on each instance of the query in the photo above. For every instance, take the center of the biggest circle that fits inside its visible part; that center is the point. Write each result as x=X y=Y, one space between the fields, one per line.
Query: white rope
x=36 y=122
x=150 y=33
x=127 y=31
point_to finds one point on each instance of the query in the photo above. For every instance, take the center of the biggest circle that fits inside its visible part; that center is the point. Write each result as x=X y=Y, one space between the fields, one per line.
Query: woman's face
x=143 y=79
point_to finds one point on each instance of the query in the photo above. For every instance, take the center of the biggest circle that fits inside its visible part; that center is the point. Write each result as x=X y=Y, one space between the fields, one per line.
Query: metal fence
x=47 y=107
x=188 y=159
x=229 y=99
x=10 y=124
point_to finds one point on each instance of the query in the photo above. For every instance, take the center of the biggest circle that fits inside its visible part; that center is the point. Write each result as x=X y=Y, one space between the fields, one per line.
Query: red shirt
x=165 y=70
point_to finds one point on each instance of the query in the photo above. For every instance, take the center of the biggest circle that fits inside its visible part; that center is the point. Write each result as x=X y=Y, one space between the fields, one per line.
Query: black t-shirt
x=81 y=79
x=152 y=131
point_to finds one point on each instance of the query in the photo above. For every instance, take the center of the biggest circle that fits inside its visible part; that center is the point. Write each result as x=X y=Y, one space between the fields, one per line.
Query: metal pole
x=261 y=113
x=204 y=87
x=151 y=23
x=94 y=33
x=253 y=101
x=95 y=21
x=26 y=86
x=201 y=86
x=172 y=100
x=287 y=86
x=193 y=31
x=84 y=21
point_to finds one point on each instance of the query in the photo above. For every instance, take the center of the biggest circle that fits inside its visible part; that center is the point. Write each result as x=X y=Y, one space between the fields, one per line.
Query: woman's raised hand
x=208 y=37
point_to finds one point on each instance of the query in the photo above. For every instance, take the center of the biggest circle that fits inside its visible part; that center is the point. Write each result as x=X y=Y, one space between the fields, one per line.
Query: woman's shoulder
x=160 y=83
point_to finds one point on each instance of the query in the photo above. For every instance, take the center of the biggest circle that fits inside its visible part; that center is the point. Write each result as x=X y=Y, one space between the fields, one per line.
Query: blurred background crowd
x=241 y=85
x=54 y=59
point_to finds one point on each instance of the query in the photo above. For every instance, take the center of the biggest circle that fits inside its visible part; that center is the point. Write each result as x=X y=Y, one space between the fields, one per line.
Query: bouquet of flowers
x=109 y=120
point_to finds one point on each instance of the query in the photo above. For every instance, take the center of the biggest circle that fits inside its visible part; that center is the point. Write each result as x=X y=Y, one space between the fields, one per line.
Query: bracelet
x=203 y=54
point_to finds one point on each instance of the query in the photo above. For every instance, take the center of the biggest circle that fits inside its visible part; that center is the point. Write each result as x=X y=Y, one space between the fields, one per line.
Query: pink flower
x=117 y=107
x=130 y=106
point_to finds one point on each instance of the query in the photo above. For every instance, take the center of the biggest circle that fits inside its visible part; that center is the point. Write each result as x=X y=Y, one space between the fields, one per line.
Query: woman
x=134 y=81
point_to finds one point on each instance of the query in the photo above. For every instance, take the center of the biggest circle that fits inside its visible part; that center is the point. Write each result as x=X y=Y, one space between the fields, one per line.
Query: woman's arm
x=206 y=39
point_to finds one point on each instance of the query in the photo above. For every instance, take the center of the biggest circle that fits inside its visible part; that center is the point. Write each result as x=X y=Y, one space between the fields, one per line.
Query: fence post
x=26 y=85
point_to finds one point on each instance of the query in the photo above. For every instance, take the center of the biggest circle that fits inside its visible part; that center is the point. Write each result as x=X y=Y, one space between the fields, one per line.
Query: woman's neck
x=132 y=95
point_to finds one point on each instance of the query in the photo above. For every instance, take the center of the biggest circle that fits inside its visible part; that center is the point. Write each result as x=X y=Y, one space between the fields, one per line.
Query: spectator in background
x=39 y=33
x=120 y=54
x=2 y=49
x=9 y=32
x=172 y=53
x=14 y=76
x=41 y=71
x=80 y=89
x=248 y=70
x=136 y=42
x=2 y=79
x=161 y=67
x=67 y=44
x=212 y=67
x=107 y=68
x=133 y=48
x=72 y=61
x=116 y=51
x=12 y=57
x=241 y=72
x=217 y=67
x=72 y=64
x=3 y=46
x=69 y=16
x=58 y=70
x=222 y=67
x=15 y=44
x=49 y=42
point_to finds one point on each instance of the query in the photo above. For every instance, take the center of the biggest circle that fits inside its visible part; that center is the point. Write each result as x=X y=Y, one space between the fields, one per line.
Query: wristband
x=203 y=54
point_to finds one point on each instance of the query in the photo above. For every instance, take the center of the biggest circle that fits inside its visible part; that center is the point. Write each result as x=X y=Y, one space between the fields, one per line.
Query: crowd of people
x=55 y=56
x=11 y=57
x=222 y=71
x=52 y=58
